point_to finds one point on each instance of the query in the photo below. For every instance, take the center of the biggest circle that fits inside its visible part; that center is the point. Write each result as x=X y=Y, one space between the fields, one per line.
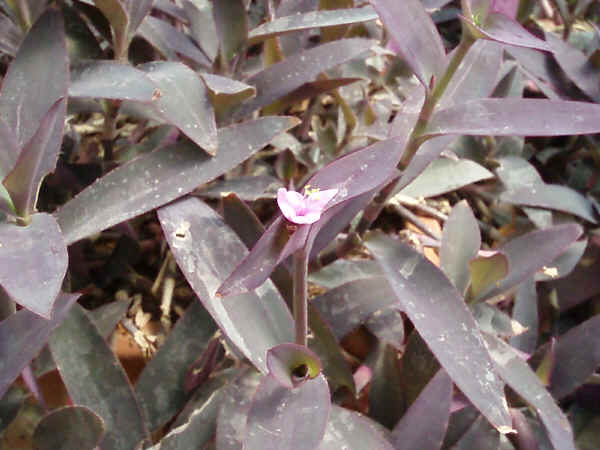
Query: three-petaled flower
x=304 y=209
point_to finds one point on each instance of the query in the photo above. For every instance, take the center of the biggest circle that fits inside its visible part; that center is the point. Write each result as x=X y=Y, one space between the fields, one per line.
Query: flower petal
x=317 y=201
x=309 y=217
x=290 y=203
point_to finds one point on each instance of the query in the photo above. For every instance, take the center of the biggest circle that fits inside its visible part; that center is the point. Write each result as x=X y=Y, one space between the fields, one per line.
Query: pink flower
x=303 y=209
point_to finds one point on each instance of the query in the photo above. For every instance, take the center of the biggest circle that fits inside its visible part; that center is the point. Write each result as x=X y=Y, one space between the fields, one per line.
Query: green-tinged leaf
x=313 y=19
x=36 y=160
x=460 y=244
x=206 y=250
x=159 y=177
x=516 y=116
x=225 y=92
x=10 y=405
x=33 y=263
x=96 y=380
x=414 y=433
x=282 y=419
x=110 y=79
x=441 y=317
x=184 y=102
x=160 y=389
x=232 y=28
x=69 y=428
x=342 y=271
x=282 y=78
x=10 y=150
x=495 y=322
x=523 y=380
x=23 y=335
x=445 y=175
x=292 y=364
x=345 y=429
x=414 y=34
x=116 y=14
x=37 y=77
x=487 y=272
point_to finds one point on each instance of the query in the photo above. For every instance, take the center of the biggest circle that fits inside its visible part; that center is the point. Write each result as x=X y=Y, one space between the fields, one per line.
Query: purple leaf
x=282 y=78
x=33 y=263
x=184 y=102
x=413 y=32
x=388 y=326
x=343 y=271
x=37 y=78
x=202 y=26
x=159 y=177
x=36 y=160
x=576 y=65
x=577 y=356
x=292 y=365
x=10 y=150
x=10 y=36
x=479 y=435
x=525 y=311
x=110 y=79
x=312 y=19
x=516 y=116
x=564 y=263
x=441 y=317
x=501 y=28
x=386 y=391
x=219 y=85
x=412 y=432
x=519 y=376
x=530 y=252
x=460 y=243
x=95 y=379
x=136 y=11
x=206 y=250
x=171 y=42
x=282 y=419
x=22 y=336
x=347 y=428
x=160 y=388
x=69 y=428
x=231 y=21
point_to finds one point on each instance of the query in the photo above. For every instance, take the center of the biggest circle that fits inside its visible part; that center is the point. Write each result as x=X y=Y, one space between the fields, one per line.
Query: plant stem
x=301 y=296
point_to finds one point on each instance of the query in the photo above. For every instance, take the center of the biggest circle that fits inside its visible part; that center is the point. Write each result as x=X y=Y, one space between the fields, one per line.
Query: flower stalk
x=301 y=296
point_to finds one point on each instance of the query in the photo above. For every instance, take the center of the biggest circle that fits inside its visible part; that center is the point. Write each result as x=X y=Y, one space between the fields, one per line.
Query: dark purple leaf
x=107 y=316
x=281 y=418
x=115 y=12
x=110 y=79
x=414 y=33
x=386 y=392
x=33 y=263
x=577 y=356
x=184 y=102
x=388 y=326
x=530 y=252
x=576 y=65
x=10 y=406
x=460 y=243
x=22 y=337
x=525 y=311
x=538 y=67
x=160 y=389
x=173 y=10
x=519 y=376
x=412 y=432
x=36 y=160
x=10 y=150
x=347 y=428
x=516 y=116
x=312 y=19
x=525 y=438
x=445 y=175
x=202 y=26
x=95 y=379
x=346 y=307
x=292 y=365
x=501 y=28
x=159 y=177
x=206 y=250
x=170 y=41
x=480 y=436
x=293 y=43
x=231 y=22
x=69 y=428
x=37 y=78
x=441 y=317
x=282 y=78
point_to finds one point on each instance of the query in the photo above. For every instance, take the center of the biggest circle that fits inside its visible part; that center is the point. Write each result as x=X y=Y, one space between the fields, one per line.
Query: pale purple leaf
x=412 y=432
x=414 y=33
x=159 y=177
x=33 y=263
x=516 y=116
x=206 y=250
x=22 y=336
x=312 y=19
x=524 y=381
x=69 y=428
x=95 y=379
x=184 y=102
x=442 y=318
x=288 y=419
x=110 y=79
x=37 y=77
x=284 y=77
